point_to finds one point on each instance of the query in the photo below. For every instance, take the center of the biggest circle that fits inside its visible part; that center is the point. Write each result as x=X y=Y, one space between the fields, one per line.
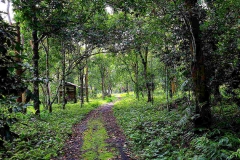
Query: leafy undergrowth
x=155 y=133
x=42 y=138
x=94 y=146
x=110 y=99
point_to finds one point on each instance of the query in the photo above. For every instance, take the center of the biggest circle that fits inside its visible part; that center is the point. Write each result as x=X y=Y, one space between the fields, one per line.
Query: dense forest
x=170 y=67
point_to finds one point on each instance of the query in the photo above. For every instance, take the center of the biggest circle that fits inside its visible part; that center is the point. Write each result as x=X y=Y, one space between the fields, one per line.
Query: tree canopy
x=184 y=48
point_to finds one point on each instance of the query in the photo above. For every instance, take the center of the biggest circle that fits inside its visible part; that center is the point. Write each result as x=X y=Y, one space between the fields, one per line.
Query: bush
x=43 y=138
x=155 y=133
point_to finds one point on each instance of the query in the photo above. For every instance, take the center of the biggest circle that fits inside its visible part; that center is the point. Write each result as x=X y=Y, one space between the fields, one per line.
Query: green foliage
x=110 y=99
x=161 y=30
x=10 y=84
x=42 y=138
x=155 y=133
x=216 y=144
x=147 y=128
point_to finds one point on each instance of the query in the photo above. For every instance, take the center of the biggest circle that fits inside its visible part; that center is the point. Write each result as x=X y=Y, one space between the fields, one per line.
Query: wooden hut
x=70 y=89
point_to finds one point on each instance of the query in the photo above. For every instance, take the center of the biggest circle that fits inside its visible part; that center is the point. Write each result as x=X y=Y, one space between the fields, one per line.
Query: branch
x=45 y=48
x=8 y=13
x=189 y=26
x=42 y=37
x=55 y=97
x=128 y=71
x=142 y=58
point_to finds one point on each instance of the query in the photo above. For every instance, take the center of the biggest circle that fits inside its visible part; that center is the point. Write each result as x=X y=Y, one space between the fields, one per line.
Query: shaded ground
x=97 y=136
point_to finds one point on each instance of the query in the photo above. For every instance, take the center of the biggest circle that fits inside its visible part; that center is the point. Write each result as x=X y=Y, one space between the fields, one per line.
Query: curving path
x=96 y=137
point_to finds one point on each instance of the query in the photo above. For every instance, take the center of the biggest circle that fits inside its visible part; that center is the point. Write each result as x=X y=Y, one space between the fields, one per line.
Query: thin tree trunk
x=44 y=102
x=103 y=83
x=47 y=85
x=166 y=87
x=82 y=85
x=49 y=106
x=79 y=84
x=152 y=83
x=19 y=70
x=86 y=83
x=56 y=95
x=137 y=78
x=58 y=80
x=63 y=78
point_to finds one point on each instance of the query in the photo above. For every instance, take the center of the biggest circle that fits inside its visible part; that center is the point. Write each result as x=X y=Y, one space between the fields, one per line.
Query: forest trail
x=97 y=136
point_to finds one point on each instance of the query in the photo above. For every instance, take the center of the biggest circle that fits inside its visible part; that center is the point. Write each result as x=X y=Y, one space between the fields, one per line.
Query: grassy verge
x=42 y=138
x=94 y=146
x=155 y=133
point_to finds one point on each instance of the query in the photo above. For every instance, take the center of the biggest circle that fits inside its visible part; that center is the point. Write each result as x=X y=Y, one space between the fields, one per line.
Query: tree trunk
x=58 y=80
x=49 y=105
x=19 y=70
x=36 y=100
x=63 y=78
x=44 y=100
x=167 y=90
x=47 y=85
x=137 y=78
x=198 y=70
x=103 y=83
x=86 y=84
x=145 y=74
x=102 y=72
x=127 y=87
x=82 y=85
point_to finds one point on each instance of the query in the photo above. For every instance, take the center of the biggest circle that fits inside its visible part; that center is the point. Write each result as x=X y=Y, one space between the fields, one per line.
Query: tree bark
x=47 y=84
x=49 y=105
x=137 y=78
x=19 y=70
x=198 y=70
x=86 y=84
x=144 y=59
x=36 y=100
x=82 y=85
x=63 y=78
x=103 y=84
x=127 y=87
x=166 y=87
x=58 y=80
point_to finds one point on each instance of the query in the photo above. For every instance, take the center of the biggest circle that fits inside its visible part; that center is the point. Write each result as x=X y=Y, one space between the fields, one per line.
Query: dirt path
x=96 y=137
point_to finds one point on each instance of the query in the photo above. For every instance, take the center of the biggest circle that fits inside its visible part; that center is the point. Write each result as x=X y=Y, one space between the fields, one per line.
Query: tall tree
x=8 y=78
x=32 y=13
x=198 y=66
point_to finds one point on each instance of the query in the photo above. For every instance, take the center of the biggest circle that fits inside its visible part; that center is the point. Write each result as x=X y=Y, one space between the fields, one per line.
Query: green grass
x=94 y=145
x=42 y=138
x=155 y=133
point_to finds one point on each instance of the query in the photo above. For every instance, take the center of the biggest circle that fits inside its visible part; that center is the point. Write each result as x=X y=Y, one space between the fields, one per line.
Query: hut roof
x=72 y=84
